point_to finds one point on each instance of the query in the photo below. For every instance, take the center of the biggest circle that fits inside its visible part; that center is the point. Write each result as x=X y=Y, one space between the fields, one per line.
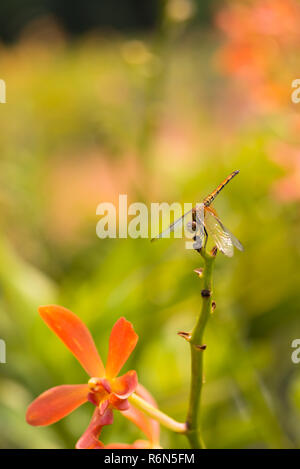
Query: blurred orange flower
x=262 y=35
x=80 y=183
x=287 y=189
x=277 y=18
x=104 y=389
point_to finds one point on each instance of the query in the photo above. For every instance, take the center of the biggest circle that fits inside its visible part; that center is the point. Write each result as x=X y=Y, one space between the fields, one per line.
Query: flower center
x=100 y=390
x=99 y=385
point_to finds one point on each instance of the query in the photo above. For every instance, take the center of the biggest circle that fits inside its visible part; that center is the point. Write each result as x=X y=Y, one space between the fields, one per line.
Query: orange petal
x=117 y=403
x=56 y=403
x=122 y=341
x=103 y=406
x=138 y=444
x=141 y=444
x=125 y=385
x=149 y=426
x=140 y=420
x=97 y=445
x=90 y=438
x=119 y=446
x=75 y=335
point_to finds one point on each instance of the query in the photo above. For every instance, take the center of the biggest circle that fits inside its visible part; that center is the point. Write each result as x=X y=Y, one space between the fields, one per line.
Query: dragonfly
x=205 y=222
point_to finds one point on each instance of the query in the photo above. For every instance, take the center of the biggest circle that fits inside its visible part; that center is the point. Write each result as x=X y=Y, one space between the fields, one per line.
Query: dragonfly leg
x=206 y=237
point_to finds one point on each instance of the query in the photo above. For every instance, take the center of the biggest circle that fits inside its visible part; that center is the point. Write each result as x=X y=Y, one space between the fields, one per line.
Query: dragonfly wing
x=200 y=211
x=234 y=240
x=223 y=238
x=177 y=224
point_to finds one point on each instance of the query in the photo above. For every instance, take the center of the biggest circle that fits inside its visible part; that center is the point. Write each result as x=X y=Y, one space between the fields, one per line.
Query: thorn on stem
x=213 y=306
x=200 y=347
x=199 y=272
x=185 y=335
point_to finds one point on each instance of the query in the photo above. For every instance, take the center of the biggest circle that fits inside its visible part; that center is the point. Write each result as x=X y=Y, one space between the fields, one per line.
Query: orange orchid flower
x=150 y=427
x=104 y=389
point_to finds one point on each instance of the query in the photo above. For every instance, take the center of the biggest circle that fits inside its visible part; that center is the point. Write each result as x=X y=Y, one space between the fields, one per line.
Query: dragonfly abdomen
x=211 y=197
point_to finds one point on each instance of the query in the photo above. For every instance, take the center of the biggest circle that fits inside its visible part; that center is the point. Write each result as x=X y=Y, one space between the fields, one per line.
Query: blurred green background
x=161 y=107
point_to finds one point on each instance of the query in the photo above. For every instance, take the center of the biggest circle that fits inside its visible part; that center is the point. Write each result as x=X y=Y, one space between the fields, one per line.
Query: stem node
x=205 y=293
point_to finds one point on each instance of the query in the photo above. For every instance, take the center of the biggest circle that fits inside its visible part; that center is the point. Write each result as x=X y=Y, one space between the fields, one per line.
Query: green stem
x=156 y=414
x=193 y=433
